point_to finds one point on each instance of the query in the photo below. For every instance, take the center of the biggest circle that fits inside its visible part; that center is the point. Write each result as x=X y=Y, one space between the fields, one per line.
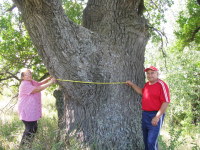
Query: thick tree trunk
x=102 y=116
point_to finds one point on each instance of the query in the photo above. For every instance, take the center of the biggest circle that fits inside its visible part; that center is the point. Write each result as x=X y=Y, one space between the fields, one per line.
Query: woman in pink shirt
x=29 y=103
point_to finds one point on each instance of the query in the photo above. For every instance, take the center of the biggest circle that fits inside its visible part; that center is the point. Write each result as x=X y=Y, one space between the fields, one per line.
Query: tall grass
x=11 y=130
x=175 y=137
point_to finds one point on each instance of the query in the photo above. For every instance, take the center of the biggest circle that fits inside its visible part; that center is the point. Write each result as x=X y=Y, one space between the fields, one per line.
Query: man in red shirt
x=155 y=100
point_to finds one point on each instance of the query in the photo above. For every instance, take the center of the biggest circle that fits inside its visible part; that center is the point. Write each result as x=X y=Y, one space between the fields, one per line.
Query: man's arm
x=161 y=111
x=135 y=87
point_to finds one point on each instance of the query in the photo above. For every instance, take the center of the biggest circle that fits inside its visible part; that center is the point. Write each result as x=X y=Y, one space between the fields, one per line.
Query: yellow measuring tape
x=92 y=82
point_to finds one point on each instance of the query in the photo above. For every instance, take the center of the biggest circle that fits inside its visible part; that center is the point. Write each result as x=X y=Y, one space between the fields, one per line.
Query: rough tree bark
x=110 y=47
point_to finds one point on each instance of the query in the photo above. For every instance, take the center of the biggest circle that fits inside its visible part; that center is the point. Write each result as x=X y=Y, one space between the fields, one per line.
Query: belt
x=149 y=111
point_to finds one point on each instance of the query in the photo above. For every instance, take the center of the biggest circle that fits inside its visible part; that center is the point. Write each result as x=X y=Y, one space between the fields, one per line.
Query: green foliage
x=195 y=145
x=184 y=79
x=189 y=26
x=16 y=48
x=47 y=135
x=9 y=129
x=74 y=10
x=183 y=76
x=174 y=142
x=181 y=72
x=155 y=13
x=176 y=139
x=8 y=132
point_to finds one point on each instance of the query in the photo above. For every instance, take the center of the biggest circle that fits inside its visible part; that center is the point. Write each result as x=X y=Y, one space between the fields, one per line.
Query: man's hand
x=155 y=121
x=135 y=87
x=129 y=83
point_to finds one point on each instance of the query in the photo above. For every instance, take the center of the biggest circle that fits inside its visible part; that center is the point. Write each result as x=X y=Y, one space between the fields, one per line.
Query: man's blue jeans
x=150 y=132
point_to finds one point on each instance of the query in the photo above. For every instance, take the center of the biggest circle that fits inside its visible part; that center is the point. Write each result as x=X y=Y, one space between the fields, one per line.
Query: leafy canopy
x=188 y=33
x=16 y=48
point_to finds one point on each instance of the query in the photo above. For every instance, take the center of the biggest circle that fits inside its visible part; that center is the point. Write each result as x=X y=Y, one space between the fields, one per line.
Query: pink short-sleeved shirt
x=29 y=105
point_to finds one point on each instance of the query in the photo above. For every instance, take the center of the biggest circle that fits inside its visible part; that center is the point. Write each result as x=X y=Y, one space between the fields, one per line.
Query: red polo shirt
x=154 y=95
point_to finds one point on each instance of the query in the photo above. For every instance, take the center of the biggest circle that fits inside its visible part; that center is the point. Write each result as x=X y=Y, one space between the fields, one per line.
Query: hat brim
x=145 y=70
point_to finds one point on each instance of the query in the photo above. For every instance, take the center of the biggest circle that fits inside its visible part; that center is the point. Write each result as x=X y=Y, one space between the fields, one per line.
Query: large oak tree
x=108 y=47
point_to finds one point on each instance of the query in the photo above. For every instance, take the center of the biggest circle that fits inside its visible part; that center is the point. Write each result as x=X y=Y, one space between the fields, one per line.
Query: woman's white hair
x=24 y=70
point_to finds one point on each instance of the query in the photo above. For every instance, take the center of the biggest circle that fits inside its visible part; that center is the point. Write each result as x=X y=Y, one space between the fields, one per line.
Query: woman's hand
x=53 y=80
x=44 y=86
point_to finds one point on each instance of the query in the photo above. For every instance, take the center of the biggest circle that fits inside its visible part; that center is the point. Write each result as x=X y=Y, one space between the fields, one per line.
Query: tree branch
x=162 y=42
x=13 y=75
x=161 y=37
x=10 y=104
x=44 y=76
x=11 y=8
x=198 y=1
x=193 y=34
x=141 y=8
x=9 y=77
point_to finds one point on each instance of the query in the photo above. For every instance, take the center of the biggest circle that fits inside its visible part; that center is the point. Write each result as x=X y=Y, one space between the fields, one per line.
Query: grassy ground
x=11 y=129
x=176 y=139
